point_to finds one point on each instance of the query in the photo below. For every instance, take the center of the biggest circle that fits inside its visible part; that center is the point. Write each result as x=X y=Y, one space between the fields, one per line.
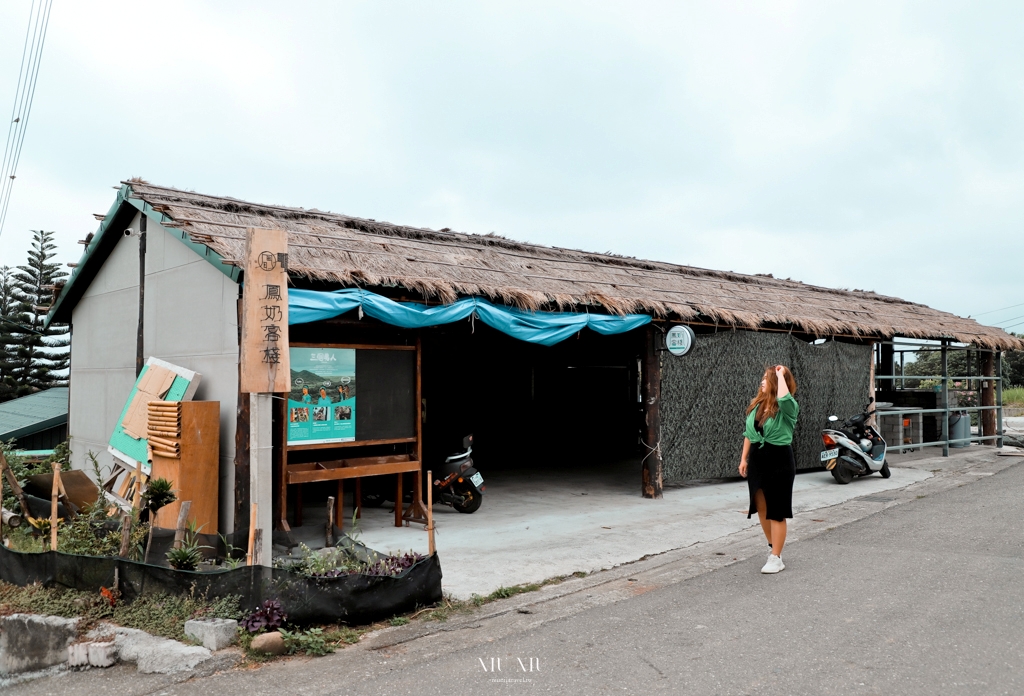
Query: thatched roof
x=445 y=265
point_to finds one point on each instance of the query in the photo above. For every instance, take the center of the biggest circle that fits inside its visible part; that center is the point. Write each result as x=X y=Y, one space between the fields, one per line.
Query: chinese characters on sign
x=264 y=350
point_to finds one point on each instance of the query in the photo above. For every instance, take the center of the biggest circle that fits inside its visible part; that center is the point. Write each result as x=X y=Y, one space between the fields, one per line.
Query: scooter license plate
x=829 y=454
x=477 y=479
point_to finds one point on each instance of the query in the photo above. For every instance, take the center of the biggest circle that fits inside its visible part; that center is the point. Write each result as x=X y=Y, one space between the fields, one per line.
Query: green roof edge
x=125 y=196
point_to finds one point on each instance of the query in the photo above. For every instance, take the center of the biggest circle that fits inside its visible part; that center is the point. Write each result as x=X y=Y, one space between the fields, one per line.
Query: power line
x=28 y=77
x=1013 y=319
x=993 y=311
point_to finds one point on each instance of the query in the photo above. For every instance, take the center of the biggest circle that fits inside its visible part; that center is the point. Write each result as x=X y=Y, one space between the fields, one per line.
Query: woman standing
x=767 y=462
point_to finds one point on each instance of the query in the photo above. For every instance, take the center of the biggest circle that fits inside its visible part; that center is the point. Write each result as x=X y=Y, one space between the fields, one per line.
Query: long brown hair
x=766 y=400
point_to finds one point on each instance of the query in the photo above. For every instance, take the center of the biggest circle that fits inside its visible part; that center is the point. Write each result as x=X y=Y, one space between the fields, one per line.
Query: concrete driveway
x=535 y=525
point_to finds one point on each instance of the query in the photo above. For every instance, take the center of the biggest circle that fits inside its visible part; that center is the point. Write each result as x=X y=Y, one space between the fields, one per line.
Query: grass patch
x=1014 y=396
x=450 y=605
x=162 y=615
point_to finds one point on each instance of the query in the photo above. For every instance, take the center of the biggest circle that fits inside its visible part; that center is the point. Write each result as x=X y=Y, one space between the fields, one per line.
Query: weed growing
x=162 y=615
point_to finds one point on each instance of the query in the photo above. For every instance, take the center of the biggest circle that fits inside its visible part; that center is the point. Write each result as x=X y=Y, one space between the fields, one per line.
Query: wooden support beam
x=651 y=397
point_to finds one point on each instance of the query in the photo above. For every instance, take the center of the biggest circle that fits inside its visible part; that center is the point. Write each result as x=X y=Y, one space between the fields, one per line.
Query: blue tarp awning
x=545 y=328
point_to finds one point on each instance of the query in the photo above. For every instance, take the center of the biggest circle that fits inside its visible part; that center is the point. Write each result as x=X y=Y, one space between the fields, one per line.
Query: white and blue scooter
x=854 y=449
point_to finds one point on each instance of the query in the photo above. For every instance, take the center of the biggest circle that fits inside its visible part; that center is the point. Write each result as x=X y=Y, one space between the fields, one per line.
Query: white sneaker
x=774 y=564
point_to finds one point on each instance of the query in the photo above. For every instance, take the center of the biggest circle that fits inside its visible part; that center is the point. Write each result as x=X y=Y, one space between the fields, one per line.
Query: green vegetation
x=1013 y=396
x=31 y=357
x=162 y=614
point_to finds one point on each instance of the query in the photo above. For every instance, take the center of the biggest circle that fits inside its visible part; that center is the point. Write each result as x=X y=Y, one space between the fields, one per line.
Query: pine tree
x=8 y=336
x=40 y=355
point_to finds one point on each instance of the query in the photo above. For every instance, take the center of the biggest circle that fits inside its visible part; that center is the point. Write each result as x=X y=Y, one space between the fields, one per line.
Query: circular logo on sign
x=345 y=380
x=679 y=340
x=267 y=260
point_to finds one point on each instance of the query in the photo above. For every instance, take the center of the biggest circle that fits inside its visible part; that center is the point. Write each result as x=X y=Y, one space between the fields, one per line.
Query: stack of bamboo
x=164 y=428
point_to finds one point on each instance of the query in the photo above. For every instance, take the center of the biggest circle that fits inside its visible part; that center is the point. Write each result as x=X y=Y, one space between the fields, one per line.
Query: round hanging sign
x=679 y=340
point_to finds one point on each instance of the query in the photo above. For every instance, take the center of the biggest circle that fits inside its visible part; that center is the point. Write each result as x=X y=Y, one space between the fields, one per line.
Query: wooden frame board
x=356 y=467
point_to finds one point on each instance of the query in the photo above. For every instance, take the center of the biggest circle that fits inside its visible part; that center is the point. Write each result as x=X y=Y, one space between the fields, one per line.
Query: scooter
x=458 y=484
x=854 y=449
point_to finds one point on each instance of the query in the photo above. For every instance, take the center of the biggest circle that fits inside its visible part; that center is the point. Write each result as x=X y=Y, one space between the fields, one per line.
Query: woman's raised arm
x=780 y=377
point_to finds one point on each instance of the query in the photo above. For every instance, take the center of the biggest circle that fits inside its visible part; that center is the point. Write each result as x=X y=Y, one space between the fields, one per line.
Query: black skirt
x=772 y=469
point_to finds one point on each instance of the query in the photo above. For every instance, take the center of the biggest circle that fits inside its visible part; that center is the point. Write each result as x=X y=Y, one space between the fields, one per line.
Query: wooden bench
x=358 y=467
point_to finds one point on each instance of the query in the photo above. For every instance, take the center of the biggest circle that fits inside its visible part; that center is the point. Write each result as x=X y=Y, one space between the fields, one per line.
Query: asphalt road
x=923 y=597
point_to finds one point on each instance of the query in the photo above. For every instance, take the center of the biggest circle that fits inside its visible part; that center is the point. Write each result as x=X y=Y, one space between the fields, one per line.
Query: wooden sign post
x=265 y=368
x=264 y=349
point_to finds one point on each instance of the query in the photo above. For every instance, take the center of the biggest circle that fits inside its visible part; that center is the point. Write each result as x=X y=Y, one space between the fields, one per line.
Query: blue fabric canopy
x=545 y=328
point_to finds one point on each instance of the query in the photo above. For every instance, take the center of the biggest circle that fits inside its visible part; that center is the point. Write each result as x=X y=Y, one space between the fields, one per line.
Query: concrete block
x=214 y=634
x=153 y=655
x=102 y=654
x=78 y=655
x=30 y=642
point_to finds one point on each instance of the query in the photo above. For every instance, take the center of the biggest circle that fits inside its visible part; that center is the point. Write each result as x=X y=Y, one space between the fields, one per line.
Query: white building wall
x=190 y=320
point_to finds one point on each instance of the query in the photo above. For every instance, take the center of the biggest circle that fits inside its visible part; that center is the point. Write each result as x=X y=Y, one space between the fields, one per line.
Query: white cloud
x=870 y=145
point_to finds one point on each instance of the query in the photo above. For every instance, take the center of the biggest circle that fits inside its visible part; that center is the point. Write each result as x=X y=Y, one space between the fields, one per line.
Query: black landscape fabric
x=351 y=599
x=706 y=392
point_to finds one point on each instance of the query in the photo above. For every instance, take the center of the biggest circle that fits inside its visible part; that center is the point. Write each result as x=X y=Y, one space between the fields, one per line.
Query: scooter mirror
x=833 y=419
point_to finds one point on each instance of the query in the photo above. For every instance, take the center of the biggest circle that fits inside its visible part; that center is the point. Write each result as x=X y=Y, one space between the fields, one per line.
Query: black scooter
x=457 y=483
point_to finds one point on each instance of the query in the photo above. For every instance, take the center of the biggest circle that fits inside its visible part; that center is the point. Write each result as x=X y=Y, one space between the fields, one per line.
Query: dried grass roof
x=446 y=265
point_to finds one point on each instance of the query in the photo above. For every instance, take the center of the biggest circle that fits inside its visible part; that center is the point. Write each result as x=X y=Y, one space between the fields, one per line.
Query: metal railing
x=945 y=379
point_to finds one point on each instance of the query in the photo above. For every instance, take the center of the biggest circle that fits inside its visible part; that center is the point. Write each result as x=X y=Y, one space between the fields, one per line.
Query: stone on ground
x=214 y=634
x=31 y=642
x=269 y=644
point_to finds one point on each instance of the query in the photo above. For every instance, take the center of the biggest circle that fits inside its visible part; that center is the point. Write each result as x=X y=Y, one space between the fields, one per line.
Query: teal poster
x=322 y=402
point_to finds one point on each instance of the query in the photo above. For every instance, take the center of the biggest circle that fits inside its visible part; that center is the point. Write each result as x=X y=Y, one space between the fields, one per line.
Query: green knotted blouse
x=778 y=430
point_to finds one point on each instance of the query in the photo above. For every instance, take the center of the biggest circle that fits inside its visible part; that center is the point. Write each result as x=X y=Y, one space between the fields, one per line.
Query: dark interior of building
x=573 y=405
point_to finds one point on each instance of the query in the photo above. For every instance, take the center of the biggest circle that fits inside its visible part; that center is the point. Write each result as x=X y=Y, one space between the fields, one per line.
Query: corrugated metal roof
x=32 y=413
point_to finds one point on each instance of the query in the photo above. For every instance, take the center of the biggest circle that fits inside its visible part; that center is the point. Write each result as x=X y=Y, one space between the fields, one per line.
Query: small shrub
x=268 y=616
x=310 y=642
x=399 y=620
x=189 y=555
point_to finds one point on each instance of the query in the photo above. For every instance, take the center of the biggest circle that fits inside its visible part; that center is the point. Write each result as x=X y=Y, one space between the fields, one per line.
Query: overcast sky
x=875 y=146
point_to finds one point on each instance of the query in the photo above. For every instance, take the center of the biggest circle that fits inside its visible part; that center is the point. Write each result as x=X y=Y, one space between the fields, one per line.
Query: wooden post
x=651 y=434
x=988 y=398
x=137 y=498
x=126 y=535
x=13 y=482
x=430 y=512
x=252 y=534
x=257 y=548
x=261 y=466
x=871 y=383
x=339 y=513
x=416 y=512
x=329 y=527
x=179 y=529
x=53 y=506
x=398 y=500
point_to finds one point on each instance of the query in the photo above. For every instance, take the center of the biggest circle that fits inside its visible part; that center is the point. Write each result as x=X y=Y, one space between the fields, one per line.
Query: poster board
x=122 y=445
x=351 y=394
x=322 y=396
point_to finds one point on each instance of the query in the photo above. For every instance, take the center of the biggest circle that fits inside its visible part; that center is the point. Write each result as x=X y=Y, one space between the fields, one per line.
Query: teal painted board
x=126 y=447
